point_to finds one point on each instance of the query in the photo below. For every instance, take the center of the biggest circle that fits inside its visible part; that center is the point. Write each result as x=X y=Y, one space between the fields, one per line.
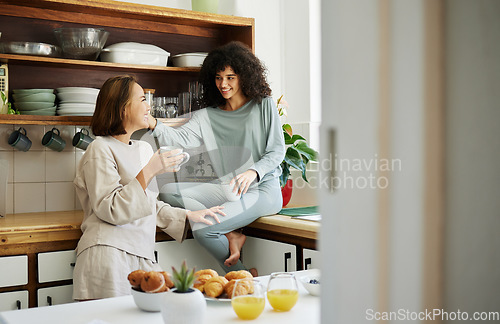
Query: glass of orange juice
x=282 y=291
x=248 y=299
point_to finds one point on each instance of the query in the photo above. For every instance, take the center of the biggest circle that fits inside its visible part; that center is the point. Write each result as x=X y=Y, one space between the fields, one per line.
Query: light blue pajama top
x=250 y=137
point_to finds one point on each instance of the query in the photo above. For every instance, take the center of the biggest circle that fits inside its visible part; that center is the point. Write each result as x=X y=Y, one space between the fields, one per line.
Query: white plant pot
x=184 y=308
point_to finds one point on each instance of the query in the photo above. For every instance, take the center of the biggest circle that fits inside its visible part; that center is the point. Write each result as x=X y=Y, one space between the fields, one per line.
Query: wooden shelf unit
x=175 y=30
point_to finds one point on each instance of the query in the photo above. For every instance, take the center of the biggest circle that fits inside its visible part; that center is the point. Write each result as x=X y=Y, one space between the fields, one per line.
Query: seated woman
x=115 y=182
x=241 y=131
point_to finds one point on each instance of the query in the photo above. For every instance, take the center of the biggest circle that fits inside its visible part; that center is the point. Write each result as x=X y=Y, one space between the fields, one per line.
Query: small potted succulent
x=297 y=156
x=184 y=304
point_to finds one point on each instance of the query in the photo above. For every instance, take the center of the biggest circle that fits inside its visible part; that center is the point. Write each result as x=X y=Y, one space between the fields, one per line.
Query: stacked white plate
x=35 y=101
x=76 y=101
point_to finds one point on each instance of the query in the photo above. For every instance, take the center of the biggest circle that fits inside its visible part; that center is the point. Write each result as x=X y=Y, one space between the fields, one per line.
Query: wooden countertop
x=65 y=225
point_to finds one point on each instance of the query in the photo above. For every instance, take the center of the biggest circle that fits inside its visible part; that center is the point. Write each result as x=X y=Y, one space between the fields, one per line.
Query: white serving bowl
x=312 y=288
x=189 y=59
x=135 y=53
x=149 y=302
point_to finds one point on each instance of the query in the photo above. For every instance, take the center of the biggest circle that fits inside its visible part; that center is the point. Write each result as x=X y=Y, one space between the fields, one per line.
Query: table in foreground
x=123 y=310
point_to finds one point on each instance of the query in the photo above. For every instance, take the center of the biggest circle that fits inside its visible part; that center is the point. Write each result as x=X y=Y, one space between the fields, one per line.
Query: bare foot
x=254 y=272
x=236 y=241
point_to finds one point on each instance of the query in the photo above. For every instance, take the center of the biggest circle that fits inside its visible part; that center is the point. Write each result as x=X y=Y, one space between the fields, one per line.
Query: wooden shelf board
x=44 y=120
x=82 y=64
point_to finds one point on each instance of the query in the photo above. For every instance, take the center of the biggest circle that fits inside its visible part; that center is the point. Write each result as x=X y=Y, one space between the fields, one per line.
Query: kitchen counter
x=123 y=310
x=21 y=229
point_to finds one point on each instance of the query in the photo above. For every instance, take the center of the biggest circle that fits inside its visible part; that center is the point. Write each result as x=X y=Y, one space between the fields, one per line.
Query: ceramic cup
x=228 y=191
x=171 y=148
x=82 y=139
x=19 y=140
x=53 y=140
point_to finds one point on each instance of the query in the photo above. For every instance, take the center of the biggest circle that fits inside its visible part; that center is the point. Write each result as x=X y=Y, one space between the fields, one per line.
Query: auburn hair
x=112 y=100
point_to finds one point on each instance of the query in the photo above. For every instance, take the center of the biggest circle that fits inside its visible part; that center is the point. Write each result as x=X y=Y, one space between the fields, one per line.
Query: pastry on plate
x=214 y=287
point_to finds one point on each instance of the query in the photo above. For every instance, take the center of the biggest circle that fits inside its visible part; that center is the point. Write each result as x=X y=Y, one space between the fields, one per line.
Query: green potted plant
x=297 y=156
x=5 y=106
x=184 y=304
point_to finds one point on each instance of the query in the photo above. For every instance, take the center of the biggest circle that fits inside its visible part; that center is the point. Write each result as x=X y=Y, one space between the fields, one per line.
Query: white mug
x=228 y=191
x=171 y=148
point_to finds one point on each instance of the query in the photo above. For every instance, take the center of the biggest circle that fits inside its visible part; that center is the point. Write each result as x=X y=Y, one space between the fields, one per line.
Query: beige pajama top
x=117 y=211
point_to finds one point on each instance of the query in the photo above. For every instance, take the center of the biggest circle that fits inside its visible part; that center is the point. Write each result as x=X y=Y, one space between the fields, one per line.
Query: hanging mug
x=53 y=140
x=19 y=140
x=82 y=139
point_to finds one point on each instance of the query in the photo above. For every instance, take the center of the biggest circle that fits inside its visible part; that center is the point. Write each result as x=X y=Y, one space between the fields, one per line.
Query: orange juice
x=282 y=299
x=248 y=307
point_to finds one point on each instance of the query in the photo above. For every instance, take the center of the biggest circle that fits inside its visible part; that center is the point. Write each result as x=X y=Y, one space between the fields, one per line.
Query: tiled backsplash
x=40 y=179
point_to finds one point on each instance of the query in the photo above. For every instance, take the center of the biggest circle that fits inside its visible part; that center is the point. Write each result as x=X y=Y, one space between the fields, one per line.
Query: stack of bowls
x=35 y=101
x=76 y=101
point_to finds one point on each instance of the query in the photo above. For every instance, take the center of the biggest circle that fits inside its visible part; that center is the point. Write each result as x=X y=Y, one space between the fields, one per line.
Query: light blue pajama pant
x=260 y=200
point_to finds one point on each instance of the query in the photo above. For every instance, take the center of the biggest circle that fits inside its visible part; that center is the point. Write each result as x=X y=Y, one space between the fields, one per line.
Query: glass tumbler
x=248 y=299
x=282 y=291
x=184 y=104
x=196 y=91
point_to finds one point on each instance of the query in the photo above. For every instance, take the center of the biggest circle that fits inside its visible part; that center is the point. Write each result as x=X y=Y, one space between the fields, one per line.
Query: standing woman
x=115 y=182
x=241 y=131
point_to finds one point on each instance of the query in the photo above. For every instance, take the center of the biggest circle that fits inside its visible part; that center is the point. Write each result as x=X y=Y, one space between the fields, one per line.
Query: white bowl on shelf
x=189 y=59
x=135 y=53
x=33 y=105
x=78 y=89
x=77 y=97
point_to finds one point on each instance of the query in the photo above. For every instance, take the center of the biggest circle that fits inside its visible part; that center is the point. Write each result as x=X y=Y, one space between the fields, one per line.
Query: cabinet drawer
x=17 y=268
x=55 y=295
x=53 y=266
x=268 y=256
x=13 y=300
x=312 y=259
x=172 y=254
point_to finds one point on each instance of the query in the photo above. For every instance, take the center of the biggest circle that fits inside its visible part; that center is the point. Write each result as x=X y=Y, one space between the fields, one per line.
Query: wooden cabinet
x=175 y=30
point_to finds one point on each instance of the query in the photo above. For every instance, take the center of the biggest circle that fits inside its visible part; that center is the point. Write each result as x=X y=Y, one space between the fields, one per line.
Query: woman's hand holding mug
x=175 y=152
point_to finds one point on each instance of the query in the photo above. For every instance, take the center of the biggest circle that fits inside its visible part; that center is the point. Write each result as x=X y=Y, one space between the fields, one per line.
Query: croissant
x=200 y=282
x=244 y=288
x=210 y=272
x=214 y=287
x=240 y=274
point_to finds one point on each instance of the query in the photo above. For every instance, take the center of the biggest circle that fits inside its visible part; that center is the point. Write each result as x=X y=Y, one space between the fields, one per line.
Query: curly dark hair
x=250 y=70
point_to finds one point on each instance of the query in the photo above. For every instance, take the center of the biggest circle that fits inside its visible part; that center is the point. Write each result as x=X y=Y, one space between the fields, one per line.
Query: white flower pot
x=184 y=308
